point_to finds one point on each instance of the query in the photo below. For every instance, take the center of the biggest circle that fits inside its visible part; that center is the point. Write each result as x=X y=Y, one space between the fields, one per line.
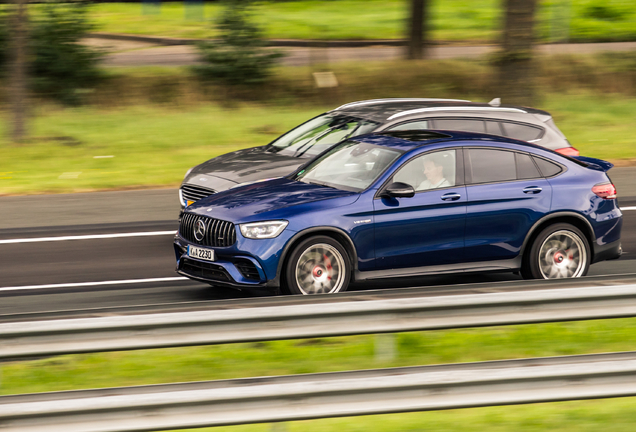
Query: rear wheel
x=318 y=265
x=559 y=251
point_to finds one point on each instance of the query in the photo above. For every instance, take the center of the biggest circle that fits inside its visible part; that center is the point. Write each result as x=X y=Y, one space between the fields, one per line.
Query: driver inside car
x=434 y=172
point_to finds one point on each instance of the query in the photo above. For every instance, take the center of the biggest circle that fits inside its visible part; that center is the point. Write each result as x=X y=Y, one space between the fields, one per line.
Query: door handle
x=453 y=196
x=532 y=190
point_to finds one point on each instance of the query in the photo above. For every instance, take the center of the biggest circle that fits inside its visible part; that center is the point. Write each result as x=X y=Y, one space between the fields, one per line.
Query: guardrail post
x=279 y=427
x=385 y=347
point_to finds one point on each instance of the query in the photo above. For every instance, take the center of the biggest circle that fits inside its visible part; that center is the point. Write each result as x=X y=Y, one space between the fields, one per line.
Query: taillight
x=605 y=190
x=568 y=151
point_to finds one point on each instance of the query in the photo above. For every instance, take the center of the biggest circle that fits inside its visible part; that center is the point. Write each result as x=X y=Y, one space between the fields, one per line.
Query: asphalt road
x=37 y=276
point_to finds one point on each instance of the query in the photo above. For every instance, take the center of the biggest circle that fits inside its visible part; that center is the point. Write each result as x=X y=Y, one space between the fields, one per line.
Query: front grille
x=203 y=270
x=195 y=193
x=247 y=269
x=218 y=233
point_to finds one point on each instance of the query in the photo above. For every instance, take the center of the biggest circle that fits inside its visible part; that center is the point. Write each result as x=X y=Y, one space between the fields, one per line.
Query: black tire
x=559 y=251
x=318 y=265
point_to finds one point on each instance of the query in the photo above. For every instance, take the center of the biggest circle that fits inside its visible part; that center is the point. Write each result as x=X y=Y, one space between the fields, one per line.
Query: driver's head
x=433 y=169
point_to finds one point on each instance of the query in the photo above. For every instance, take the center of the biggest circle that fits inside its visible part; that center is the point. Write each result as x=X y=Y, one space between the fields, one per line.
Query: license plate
x=200 y=253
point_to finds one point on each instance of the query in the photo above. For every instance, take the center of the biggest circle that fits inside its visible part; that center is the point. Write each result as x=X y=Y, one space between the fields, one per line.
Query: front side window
x=349 y=166
x=430 y=171
x=318 y=134
x=414 y=125
x=460 y=124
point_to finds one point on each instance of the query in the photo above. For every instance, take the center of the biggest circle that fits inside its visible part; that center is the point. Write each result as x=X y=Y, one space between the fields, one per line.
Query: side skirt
x=483 y=266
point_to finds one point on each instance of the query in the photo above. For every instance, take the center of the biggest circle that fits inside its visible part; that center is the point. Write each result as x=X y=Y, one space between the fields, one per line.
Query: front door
x=428 y=228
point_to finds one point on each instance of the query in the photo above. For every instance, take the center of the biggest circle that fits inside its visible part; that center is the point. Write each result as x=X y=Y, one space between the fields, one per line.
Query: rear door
x=506 y=195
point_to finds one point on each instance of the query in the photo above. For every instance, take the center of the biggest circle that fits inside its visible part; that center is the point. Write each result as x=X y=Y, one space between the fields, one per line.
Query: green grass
x=599 y=126
x=357 y=352
x=154 y=145
x=452 y=20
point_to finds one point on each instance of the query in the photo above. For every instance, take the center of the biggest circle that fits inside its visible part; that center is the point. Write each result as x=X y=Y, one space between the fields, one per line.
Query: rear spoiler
x=595 y=164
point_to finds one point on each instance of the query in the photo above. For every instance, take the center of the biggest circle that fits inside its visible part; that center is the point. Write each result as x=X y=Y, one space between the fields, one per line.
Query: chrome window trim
x=437 y=109
x=388 y=100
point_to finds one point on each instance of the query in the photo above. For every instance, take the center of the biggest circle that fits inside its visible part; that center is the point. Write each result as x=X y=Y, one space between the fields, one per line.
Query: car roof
x=409 y=139
x=383 y=110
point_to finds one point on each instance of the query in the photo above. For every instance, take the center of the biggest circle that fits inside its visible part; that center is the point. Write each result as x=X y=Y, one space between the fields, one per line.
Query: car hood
x=245 y=166
x=271 y=199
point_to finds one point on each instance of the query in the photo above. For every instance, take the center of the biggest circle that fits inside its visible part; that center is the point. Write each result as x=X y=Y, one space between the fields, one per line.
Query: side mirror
x=399 y=190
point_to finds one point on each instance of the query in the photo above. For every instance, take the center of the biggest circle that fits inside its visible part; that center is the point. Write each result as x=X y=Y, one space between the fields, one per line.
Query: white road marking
x=89 y=284
x=87 y=237
x=121 y=235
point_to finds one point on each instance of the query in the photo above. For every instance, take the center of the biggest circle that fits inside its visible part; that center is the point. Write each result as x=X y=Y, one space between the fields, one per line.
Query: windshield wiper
x=313 y=140
x=319 y=184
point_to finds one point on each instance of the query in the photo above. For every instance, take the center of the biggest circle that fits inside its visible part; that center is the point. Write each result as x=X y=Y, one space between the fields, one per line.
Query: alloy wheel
x=320 y=270
x=562 y=255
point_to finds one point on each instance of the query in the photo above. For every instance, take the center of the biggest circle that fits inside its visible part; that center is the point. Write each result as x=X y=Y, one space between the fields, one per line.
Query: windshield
x=350 y=166
x=320 y=133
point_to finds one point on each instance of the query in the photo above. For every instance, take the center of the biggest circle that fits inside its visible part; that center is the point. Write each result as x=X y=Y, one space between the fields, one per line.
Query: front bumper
x=228 y=270
x=248 y=264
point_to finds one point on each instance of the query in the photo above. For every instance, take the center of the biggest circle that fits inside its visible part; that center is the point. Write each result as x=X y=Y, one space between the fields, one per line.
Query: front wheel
x=559 y=251
x=318 y=265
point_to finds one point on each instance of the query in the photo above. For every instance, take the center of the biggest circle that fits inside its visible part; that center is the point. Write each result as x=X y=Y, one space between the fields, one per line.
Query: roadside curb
x=170 y=41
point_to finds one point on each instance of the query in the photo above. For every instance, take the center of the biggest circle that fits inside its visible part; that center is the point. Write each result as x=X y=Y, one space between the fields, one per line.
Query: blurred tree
x=239 y=57
x=515 y=60
x=62 y=67
x=4 y=40
x=18 y=64
x=418 y=29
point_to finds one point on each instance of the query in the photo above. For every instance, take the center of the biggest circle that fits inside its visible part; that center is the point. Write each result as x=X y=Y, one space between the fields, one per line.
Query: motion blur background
x=109 y=96
x=131 y=81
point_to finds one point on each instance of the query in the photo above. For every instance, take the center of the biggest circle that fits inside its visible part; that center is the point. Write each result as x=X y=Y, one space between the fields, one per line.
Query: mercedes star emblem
x=199 y=230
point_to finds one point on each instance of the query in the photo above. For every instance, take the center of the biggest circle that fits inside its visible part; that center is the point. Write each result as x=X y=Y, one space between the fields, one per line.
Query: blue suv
x=406 y=203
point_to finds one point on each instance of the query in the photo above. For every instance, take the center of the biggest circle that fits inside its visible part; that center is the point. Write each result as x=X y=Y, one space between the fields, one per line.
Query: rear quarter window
x=526 y=169
x=548 y=169
x=521 y=131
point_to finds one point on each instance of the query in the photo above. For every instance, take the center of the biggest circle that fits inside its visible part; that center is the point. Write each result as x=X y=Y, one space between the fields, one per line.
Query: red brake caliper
x=328 y=266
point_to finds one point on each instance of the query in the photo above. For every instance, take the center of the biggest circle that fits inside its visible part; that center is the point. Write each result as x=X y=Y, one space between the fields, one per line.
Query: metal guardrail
x=253 y=400
x=318 y=319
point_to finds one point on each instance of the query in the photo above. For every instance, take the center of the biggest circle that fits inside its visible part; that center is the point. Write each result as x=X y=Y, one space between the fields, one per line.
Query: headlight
x=188 y=172
x=263 y=230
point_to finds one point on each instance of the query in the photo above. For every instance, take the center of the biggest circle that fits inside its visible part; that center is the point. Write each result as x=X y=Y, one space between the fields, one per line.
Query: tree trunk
x=17 y=81
x=418 y=20
x=516 y=71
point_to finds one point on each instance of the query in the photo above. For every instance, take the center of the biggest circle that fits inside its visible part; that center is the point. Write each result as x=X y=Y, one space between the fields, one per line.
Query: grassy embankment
x=357 y=352
x=462 y=21
x=154 y=145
